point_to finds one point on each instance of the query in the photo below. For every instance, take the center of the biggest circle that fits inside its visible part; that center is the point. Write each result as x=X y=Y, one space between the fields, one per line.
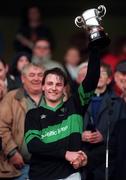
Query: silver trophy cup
x=91 y=21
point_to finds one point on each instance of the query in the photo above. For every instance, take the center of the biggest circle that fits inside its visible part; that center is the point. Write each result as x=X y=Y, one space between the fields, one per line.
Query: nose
x=37 y=78
x=54 y=87
x=124 y=85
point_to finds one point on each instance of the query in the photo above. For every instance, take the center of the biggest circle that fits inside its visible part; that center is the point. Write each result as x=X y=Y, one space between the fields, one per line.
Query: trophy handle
x=101 y=11
x=80 y=22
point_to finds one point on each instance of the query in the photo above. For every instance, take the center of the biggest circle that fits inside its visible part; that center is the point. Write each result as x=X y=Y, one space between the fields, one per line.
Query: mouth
x=36 y=84
x=53 y=93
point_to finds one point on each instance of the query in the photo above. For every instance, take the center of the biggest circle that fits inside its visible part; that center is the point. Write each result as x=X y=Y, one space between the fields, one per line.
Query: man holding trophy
x=53 y=131
x=90 y=20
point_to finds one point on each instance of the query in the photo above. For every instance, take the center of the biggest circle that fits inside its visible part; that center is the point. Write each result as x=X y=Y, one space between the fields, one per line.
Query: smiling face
x=53 y=89
x=3 y=71
x=32 y=80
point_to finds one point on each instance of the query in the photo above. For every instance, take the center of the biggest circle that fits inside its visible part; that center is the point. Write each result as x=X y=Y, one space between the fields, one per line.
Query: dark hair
x=42 y=39
x=107 y=67
x=55 y=71
x=13 y=65
x=121 y=67
x=26 y=10
x=72 y=47
x=2 y=61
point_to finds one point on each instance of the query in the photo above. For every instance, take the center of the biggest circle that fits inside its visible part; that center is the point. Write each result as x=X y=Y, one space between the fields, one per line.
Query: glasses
x=42 y=47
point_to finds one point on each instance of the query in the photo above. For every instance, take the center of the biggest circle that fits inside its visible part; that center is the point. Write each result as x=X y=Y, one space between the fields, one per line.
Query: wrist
x=11 y=153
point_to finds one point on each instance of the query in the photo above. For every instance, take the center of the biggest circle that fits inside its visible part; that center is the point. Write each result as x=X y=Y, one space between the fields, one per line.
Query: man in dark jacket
x=104 y=111
x=118 y=150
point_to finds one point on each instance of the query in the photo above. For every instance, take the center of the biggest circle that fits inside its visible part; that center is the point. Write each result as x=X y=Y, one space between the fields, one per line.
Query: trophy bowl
x=91 y=21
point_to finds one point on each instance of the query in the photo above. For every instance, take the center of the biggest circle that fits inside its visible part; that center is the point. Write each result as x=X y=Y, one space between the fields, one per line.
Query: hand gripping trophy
x=90 y=20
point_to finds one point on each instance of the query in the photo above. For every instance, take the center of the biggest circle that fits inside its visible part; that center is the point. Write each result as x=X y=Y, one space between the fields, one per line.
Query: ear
x=6 y=68
x=116 y=75
x=67 y=91
x=22 y=79
x=65 y=94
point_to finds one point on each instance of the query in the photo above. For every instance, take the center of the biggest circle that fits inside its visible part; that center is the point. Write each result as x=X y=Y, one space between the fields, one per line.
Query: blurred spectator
x=117 y=52
x=31 y=29
x=80 y=40
x=42 y=54
x=14 y=160
x=104 y=110
x=19 y=61
x=7 y=82
x=120 y=79
x=71 y=61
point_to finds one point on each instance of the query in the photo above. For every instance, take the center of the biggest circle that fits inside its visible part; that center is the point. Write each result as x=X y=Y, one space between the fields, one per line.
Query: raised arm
x=93 y=73
x=89 y=84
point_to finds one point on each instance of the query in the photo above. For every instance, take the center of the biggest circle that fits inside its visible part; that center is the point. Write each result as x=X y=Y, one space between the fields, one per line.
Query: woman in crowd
x=31 y=29
x=19 y=61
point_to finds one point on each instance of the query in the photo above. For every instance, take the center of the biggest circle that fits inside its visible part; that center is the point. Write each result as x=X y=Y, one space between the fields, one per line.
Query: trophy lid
x=90 y=13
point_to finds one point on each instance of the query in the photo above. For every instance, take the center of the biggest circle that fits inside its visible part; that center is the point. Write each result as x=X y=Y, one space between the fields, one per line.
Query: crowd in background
x=21 y=90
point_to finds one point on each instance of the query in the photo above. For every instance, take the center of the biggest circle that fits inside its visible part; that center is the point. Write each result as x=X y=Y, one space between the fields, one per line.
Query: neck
x=36 y=97
x=100 y=90
x=72 y=65
x=117 y=90
x=34 y=23
x=52 y=104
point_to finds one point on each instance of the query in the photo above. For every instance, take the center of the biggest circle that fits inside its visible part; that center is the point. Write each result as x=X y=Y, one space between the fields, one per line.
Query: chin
x=100 y=85
x=37 y=87
x=37 y=90
x=54 y=99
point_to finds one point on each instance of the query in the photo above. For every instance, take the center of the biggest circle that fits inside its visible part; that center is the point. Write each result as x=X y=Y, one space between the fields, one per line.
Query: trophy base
x=99 y=38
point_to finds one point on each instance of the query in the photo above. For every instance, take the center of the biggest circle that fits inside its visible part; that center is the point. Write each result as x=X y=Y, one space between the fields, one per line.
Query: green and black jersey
x=50 y=132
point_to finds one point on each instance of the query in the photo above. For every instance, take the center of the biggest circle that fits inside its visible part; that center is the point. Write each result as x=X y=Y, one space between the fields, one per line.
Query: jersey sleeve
x=89 y=84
